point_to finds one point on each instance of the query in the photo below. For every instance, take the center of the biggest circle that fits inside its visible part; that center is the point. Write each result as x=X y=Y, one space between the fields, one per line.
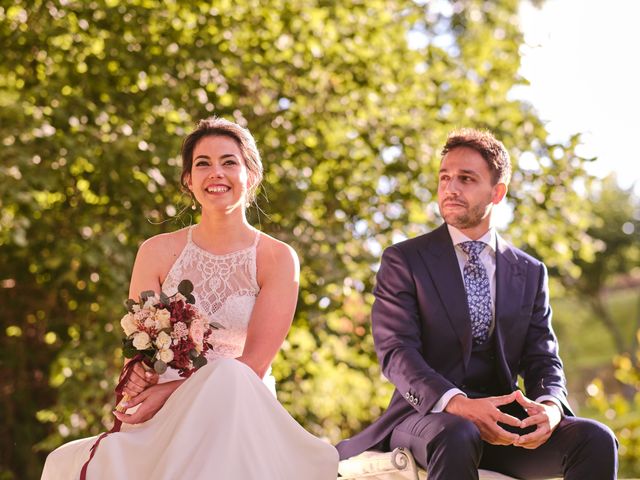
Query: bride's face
x=219 y=177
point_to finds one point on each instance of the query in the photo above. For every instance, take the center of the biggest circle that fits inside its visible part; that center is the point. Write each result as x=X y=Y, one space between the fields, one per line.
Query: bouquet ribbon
x=119 y=390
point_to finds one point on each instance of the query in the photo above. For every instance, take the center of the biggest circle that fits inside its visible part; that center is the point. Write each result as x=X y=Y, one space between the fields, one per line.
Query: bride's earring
x=193 y=202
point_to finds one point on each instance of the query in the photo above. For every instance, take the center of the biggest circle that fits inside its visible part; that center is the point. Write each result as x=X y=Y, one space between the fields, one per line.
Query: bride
x=224 y=421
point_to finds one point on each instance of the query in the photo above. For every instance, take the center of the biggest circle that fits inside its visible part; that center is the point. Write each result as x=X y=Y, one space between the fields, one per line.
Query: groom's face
x=466 y=192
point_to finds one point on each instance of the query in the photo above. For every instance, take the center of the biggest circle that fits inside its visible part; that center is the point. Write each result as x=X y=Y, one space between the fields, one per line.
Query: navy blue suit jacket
x=422 y=330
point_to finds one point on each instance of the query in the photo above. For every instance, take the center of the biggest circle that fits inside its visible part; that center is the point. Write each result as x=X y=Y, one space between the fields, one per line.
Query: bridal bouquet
x=166 y=331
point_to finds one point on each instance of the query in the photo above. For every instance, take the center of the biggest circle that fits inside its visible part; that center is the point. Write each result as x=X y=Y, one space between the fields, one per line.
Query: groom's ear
x=499 y=192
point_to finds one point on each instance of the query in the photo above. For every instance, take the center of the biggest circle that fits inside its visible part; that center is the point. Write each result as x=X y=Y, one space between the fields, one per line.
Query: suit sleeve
x=540 y=366
x=397 y=333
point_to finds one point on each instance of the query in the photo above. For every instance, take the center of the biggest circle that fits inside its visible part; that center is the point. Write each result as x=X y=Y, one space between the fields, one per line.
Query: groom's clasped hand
x=533 y=430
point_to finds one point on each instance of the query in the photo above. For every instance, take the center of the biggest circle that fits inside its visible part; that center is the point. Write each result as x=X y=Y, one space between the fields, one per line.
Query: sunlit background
x=581 y=59
x=349 y=102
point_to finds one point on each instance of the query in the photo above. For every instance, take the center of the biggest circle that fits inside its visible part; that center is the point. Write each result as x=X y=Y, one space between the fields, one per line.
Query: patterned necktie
x=476 y=283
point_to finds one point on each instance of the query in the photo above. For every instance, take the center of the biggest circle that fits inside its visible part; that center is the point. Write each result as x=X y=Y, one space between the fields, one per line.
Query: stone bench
x=396 y=465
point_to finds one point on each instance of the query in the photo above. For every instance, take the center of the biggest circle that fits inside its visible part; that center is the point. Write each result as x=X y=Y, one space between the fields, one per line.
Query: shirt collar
x=458 y=237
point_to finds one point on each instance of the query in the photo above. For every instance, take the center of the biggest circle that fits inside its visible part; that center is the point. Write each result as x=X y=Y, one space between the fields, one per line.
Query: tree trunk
x=602 y=313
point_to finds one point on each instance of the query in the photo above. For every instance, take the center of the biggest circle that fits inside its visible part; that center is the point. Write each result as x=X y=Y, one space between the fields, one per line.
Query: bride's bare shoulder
x=272 y=251
x=164 y=247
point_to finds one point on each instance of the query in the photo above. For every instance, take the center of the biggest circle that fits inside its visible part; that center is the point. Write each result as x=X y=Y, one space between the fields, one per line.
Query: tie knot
x=472 y=249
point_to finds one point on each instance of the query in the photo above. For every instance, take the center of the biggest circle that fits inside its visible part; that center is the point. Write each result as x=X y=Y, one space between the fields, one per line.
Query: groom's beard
x=471 y=217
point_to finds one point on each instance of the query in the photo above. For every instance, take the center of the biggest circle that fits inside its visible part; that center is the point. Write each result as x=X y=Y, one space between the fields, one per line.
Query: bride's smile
x=219 y=176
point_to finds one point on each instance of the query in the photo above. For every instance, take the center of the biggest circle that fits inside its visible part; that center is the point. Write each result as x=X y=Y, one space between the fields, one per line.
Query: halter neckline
x=218 y=255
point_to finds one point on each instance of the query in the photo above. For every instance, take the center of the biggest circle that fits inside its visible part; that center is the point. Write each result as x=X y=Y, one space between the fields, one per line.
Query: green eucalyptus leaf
x=199 y=362
x=190 y=298
x=128 y=350
x=160 y=367
x=129 y=304
x=147 y=294
x=185 y=287
x=164 y=298
x=216 y=326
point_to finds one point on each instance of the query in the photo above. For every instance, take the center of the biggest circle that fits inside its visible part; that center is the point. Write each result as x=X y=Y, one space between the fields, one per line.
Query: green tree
x=621 y=411
x=617 y=235
x=348 y=101
x=616 y=267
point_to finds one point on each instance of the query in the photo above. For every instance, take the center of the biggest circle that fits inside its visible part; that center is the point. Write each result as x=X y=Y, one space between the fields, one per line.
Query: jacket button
x=406 y=395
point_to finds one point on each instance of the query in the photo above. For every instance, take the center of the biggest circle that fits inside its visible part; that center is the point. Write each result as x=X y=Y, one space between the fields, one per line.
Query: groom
x=458 y=315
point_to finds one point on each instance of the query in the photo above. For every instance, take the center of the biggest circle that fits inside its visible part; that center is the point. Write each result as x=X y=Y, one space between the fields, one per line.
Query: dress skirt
x=222 y=423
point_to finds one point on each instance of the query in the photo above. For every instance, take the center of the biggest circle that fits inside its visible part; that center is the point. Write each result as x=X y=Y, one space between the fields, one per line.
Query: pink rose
x=140 y=317
x=196 y=332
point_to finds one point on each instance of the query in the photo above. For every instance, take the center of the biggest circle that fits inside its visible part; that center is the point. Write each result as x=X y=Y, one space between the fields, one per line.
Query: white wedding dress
x=222 y=423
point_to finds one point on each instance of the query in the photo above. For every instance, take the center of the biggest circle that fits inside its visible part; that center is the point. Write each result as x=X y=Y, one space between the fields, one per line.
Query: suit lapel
x=440 y=259
x=509 y=284
x=510 y=280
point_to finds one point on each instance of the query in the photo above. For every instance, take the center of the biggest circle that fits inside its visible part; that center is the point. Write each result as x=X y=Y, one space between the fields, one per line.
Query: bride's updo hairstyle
x=215 y=126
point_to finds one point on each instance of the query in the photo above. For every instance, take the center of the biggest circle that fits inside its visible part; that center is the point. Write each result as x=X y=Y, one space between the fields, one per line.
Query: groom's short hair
x=483 y=142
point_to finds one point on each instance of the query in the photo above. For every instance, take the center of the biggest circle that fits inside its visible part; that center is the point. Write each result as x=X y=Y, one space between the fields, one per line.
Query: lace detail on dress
x=225 y=289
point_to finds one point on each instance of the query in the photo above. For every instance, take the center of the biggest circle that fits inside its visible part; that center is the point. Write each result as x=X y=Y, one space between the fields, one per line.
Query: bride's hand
x=140 y=380
x=150 y=400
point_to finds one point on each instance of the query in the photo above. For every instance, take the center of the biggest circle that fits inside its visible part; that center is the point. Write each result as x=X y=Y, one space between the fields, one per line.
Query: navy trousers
x=449 y=447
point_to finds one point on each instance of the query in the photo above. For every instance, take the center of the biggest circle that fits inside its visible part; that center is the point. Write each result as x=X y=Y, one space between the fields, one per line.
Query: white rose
x=164 y=318
x=165 y=355
x=141 y=341
x=128 y=324
x=163 y=341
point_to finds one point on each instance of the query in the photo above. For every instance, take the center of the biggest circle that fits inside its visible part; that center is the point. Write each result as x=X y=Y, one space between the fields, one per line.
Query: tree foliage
x=621 y=411
x=616 y=233
x=615 y=267
x=349 y=102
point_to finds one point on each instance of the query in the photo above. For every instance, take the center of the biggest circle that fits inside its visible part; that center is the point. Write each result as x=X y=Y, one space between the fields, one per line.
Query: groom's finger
x=534 y=419
x=508 y=420
x=499 y=436
x=524 y=401
x=533 y=439
x=503 y=399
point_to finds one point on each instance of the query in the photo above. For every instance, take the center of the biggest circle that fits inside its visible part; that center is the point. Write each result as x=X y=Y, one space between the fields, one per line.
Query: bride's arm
x=278 y=277
x=153 y=260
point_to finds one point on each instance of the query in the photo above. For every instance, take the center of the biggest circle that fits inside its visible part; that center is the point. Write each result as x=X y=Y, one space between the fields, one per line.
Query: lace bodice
x=225 y=289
